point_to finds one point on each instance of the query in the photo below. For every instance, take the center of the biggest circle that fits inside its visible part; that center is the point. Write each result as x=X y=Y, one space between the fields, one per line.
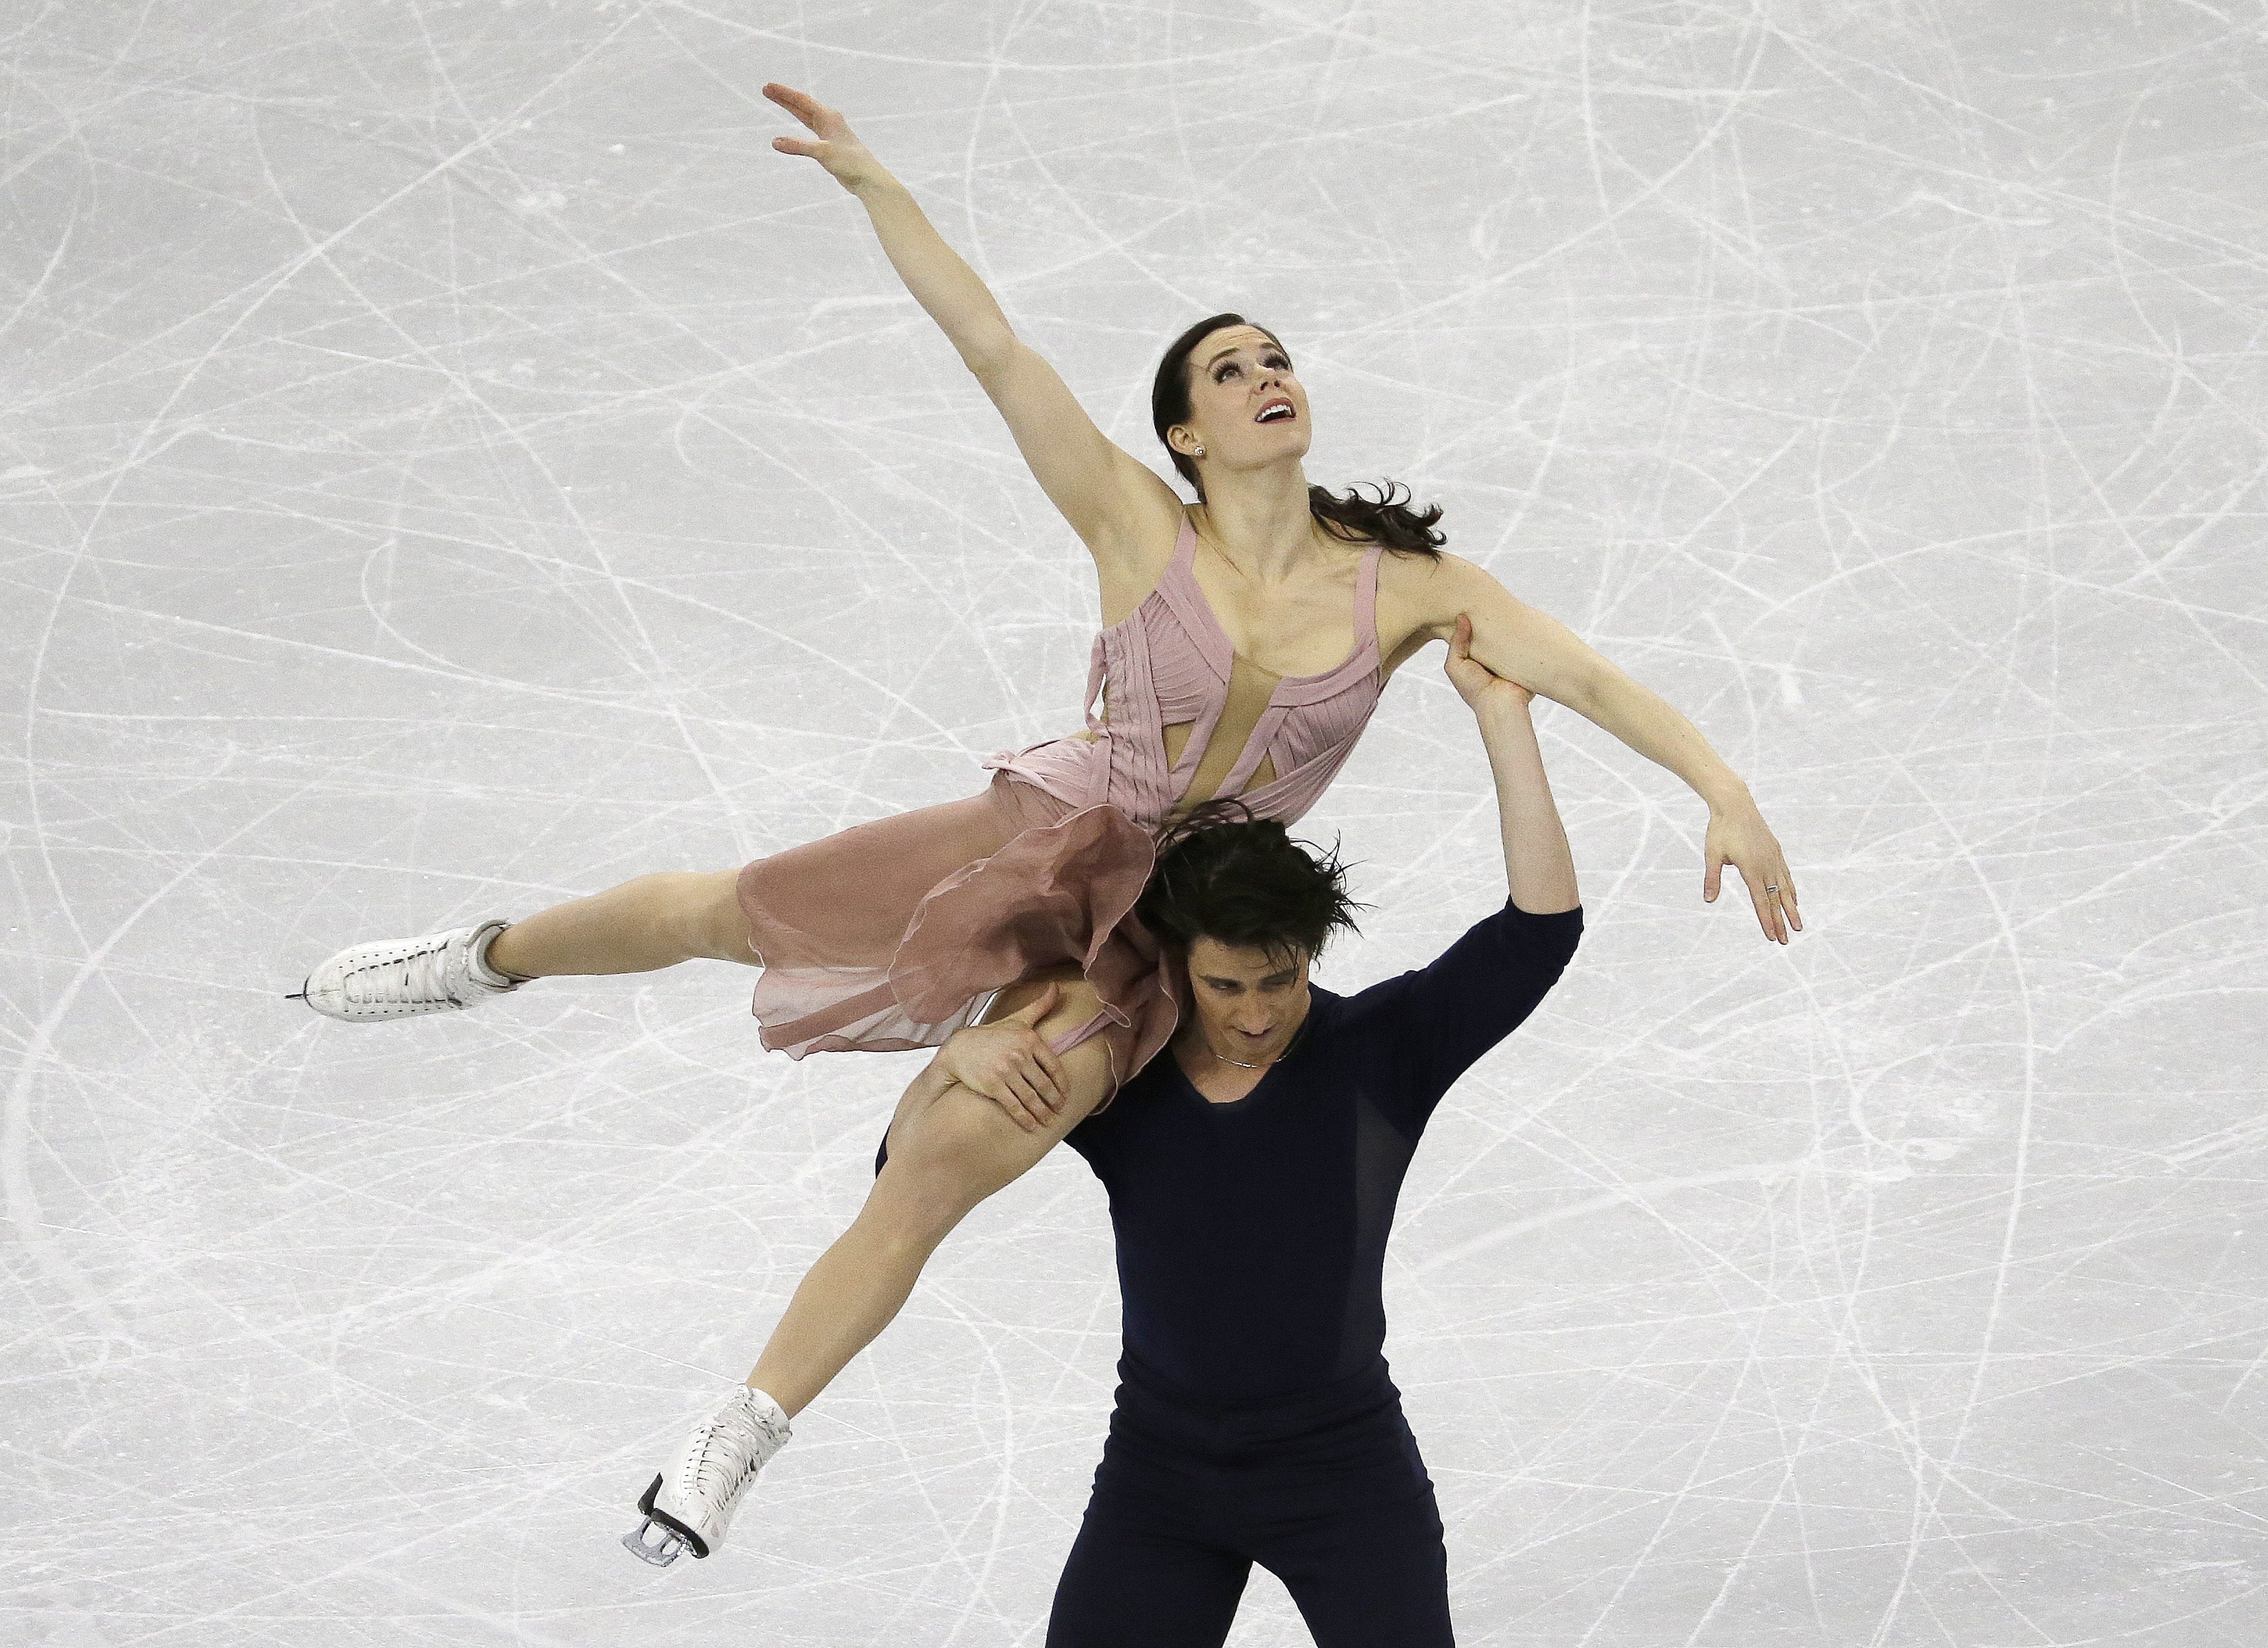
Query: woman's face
x=1245 y=408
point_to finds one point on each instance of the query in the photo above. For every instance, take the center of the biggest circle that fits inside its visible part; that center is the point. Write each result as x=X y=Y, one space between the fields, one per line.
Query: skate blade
x=675 y=1536
x=660 y=1553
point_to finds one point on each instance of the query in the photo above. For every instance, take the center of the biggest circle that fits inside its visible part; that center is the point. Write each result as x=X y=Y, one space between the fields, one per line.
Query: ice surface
x=450 y=463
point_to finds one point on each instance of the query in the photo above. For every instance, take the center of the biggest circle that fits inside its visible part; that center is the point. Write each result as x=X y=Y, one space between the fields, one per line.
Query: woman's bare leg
x=947 y=1155
x=650 y=922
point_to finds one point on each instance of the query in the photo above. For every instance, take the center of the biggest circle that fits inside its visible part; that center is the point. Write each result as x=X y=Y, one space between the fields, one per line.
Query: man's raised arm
x=1536 y=862
x=1440 y=1019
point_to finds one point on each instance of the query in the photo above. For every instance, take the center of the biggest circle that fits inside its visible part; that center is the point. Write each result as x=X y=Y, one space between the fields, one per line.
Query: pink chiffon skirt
x=893 y=935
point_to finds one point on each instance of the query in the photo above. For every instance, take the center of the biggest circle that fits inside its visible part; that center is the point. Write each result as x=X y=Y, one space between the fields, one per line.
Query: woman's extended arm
x=1535 y=649
x=1107 y=495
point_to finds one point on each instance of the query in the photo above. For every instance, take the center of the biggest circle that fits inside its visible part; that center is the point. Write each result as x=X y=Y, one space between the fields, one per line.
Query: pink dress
x=893 y=935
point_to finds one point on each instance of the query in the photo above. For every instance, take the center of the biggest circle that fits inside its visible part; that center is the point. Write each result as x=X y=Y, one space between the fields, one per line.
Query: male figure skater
x=1252 y=1176
x=1252 y=1169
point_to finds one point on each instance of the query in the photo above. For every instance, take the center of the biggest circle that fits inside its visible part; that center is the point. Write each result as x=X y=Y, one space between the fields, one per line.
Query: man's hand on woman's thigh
x=966 y=1145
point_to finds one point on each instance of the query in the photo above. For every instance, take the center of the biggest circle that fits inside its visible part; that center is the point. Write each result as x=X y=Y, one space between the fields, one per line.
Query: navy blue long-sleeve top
x=1252 y=1235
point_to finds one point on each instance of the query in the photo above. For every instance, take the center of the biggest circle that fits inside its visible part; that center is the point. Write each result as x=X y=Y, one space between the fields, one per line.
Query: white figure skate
x=690 y=1505
x=400 y=978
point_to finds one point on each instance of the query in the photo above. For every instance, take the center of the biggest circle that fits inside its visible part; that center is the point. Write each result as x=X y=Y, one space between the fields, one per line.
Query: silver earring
x=1200 y=452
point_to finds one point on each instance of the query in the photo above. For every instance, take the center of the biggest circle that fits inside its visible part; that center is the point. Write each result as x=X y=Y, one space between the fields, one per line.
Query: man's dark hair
x=1224 y=874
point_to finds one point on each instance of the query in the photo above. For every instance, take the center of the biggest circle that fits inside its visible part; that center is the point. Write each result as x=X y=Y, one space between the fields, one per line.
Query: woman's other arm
x=1517 y=641
x=1109 y=497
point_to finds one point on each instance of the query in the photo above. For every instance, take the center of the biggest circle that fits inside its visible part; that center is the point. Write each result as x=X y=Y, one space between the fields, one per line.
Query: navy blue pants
x=1327 y=1492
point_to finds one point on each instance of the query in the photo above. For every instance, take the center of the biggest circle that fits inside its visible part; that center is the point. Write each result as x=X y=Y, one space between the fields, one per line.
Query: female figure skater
x=1230 y=671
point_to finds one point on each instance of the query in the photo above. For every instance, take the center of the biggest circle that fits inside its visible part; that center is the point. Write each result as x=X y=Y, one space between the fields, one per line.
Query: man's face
x=1248 y=1005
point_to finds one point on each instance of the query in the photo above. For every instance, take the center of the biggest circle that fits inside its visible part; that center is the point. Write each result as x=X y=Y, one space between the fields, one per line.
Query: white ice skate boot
x=691 y=1504
x=402 y=977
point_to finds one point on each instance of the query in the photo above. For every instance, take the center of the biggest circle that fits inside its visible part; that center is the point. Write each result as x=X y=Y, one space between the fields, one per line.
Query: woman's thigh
x=718 y=927
x=964 y=1147
x=1073 y=1012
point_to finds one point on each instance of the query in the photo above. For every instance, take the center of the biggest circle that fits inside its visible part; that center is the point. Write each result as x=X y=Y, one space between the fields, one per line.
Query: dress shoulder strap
x=1365 y=596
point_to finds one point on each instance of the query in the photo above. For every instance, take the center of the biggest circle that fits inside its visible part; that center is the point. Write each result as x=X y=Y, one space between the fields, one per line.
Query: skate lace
x=728 y=1456
x=404 y=980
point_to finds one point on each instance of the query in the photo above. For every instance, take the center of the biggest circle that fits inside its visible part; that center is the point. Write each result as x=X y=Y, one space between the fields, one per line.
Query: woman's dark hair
x=1240 y=880
x=1387 y=518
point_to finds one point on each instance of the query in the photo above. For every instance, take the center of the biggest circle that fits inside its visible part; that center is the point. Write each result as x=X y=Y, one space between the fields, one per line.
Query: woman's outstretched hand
x=1009 y=1062
x=848 y=161
x=1739 y=835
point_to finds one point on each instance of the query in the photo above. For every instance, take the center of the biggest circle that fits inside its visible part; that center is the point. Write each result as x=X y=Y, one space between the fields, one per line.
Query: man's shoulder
x=1363 y=1012
x=1507 y=940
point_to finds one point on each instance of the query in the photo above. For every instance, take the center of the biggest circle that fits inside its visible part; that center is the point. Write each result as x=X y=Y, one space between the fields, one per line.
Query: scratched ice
x=451 y=464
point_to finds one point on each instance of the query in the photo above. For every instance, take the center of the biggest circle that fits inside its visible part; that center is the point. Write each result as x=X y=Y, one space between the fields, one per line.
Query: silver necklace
x=1277 y=1059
